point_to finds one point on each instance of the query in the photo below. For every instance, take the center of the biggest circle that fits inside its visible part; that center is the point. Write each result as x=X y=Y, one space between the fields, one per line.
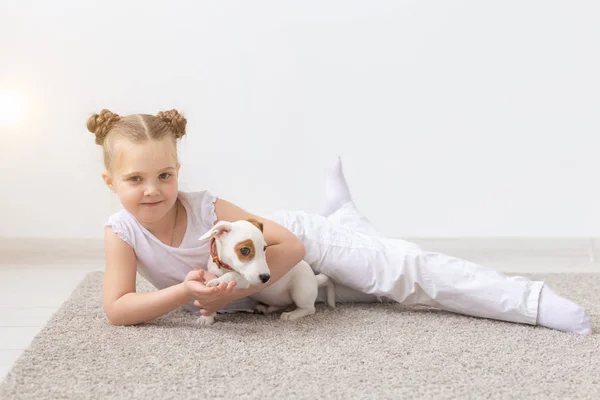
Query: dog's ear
x=220 y=228
x=256 y=223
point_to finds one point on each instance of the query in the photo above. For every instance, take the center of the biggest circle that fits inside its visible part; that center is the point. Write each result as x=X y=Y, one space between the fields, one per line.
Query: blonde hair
x=107 y=126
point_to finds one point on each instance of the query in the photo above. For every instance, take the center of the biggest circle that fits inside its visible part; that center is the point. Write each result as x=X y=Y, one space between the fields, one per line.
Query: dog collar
x=215 y=257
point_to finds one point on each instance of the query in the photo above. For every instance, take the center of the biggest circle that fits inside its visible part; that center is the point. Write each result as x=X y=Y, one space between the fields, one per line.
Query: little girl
x=157 y=235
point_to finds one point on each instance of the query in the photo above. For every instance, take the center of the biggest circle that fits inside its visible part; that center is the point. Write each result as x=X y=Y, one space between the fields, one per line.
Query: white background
x=453 y=118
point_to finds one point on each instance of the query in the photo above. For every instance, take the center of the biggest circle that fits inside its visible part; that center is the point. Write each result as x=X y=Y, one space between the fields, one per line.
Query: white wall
x=453 y=118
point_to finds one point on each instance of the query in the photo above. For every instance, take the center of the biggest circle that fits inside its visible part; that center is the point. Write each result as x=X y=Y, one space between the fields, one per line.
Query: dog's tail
x=324 y=280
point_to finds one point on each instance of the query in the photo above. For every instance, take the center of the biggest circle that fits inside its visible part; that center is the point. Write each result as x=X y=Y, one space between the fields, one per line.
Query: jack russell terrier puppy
x=238 y=254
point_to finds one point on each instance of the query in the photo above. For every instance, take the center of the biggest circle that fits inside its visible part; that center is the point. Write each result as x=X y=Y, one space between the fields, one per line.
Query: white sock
x=558 y=313
x=337 y=192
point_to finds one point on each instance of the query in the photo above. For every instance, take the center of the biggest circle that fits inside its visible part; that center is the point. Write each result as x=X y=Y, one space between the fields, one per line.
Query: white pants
x=368 y=266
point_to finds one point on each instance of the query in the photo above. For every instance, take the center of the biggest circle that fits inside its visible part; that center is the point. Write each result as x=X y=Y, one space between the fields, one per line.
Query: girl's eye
x=165 y=175
x=135 y=179
x=245 y=251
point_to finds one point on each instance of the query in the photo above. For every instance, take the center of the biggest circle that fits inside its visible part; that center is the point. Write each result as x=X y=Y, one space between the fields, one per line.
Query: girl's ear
x=218 y=231
x=108 y=180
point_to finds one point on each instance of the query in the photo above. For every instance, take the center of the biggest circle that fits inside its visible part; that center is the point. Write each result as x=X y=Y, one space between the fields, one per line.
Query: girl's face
x=144 y=176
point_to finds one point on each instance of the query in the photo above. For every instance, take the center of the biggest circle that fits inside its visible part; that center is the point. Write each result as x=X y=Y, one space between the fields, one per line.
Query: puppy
x=238 y=253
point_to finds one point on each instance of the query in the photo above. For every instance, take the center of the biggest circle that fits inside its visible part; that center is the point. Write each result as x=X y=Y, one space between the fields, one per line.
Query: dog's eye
x=245 y=251
x=265 y=248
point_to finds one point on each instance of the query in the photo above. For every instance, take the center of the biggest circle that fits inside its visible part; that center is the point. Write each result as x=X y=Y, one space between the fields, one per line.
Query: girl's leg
x=403 y=272
x=336 y=190
x=338 y=203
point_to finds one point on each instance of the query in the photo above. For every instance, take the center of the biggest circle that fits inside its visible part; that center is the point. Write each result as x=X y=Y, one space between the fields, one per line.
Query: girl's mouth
x=152 y=204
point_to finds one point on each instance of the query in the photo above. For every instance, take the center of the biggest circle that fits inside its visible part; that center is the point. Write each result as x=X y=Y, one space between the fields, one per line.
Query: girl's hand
x=195 y=287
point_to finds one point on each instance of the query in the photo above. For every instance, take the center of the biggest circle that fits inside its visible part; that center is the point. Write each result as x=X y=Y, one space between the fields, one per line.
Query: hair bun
x=101 y=124
x=175 y=120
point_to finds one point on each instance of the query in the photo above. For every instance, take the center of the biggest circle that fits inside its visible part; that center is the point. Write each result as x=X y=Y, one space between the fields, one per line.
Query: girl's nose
x=151 y=190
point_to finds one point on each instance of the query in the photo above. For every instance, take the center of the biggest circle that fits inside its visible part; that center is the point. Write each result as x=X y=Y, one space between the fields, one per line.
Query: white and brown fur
x=241 y=245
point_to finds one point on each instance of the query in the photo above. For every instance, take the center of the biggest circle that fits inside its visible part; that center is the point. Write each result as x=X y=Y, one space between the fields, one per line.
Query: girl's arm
x=123 y=306
x=284 y=251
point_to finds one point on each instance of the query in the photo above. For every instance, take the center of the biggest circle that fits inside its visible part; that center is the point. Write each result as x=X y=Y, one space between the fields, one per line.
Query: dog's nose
x=264 y=277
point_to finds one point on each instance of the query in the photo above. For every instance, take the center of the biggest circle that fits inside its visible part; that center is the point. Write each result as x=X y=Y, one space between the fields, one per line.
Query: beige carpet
x=355 y=351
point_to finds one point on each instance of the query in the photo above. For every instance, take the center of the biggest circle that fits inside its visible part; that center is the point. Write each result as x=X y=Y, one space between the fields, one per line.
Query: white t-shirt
x=163 y=265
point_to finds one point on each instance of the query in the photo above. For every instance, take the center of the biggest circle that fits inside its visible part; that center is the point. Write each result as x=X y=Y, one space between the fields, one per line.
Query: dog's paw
x=261 y=309
x=297 y=314
x=213 y=283
x=206 y=320
x=289 y=316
